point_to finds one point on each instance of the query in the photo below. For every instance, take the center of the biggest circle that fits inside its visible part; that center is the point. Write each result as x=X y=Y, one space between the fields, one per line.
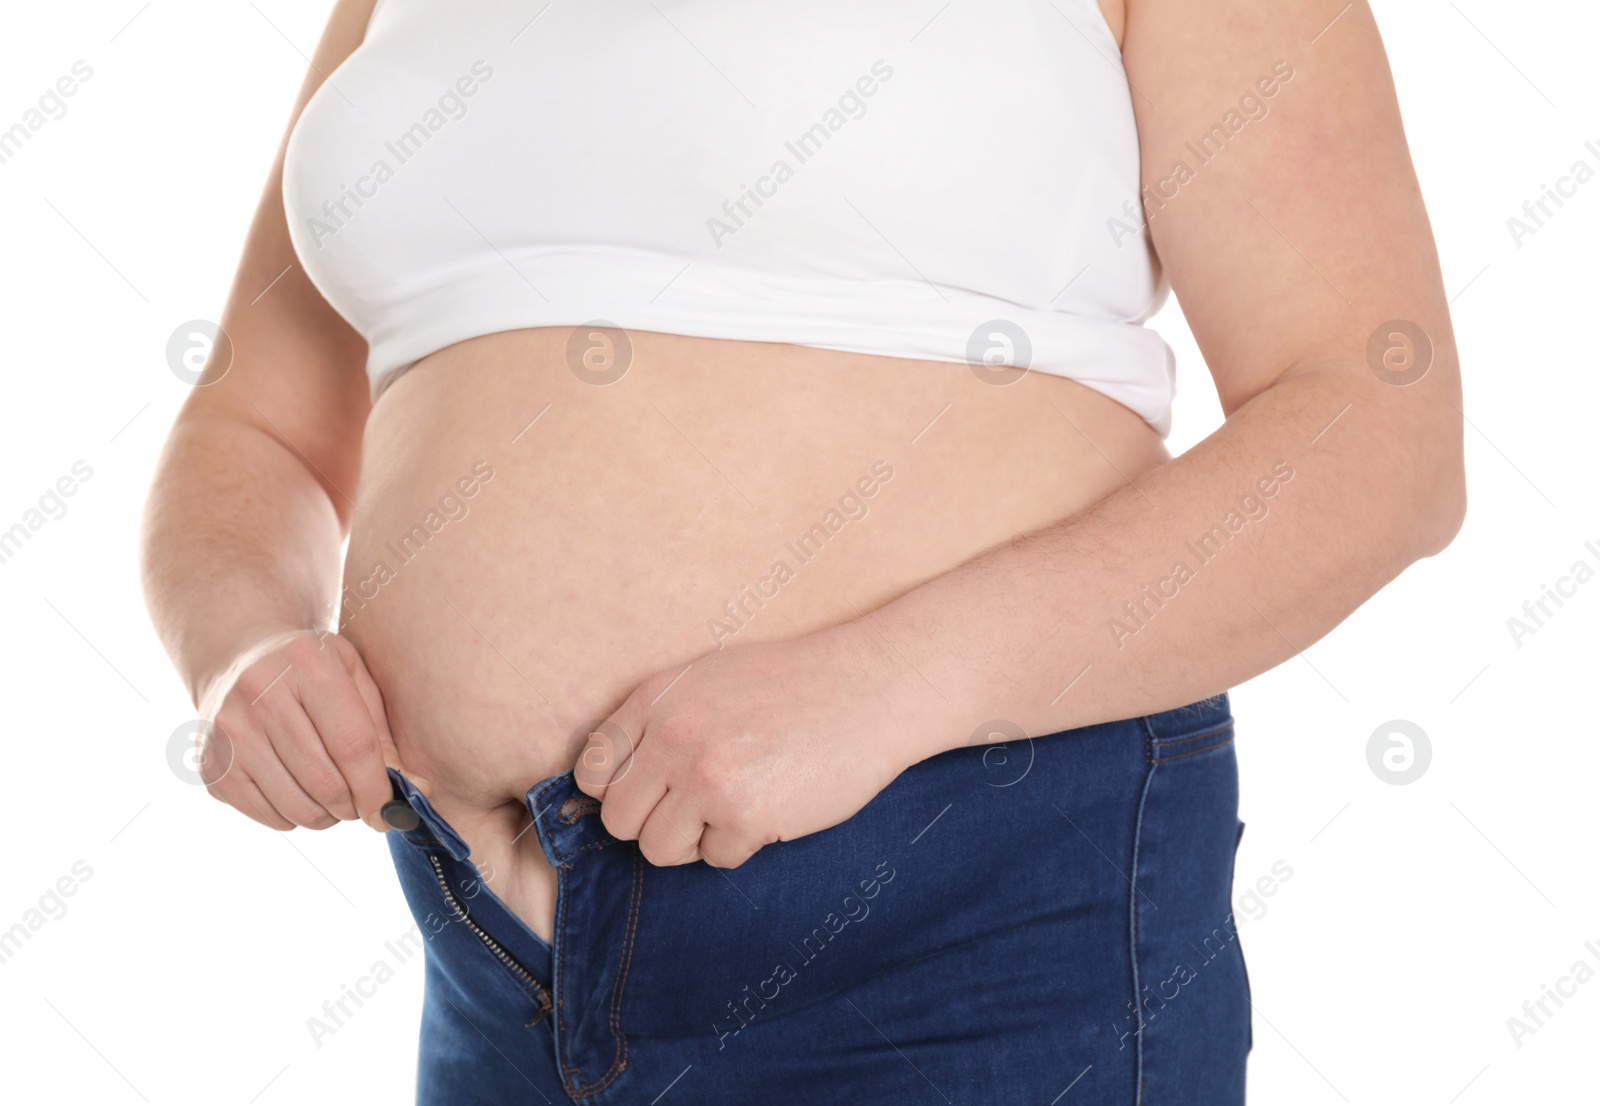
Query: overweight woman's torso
x=529 y=545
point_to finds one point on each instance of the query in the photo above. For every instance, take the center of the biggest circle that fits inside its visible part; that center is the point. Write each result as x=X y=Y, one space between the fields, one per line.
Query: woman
x=748 y=409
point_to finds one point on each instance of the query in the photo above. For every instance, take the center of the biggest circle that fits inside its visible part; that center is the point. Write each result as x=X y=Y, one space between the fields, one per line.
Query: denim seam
x=1184 y=739
x=1233 y=871
x=562 y=856
x=558 y=971
x=421 y=837
x=1133 y=914
x=1195 y=752
x=619 y=1061
x=587 y=806
x=566 y=858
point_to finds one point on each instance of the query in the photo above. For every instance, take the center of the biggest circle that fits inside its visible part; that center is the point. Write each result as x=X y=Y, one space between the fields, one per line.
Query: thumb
x=608 y=754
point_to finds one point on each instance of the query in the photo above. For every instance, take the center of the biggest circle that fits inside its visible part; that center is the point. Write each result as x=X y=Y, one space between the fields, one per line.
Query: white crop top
x=900 y=178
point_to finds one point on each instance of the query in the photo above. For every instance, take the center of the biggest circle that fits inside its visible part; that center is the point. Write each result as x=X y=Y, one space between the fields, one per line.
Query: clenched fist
x=754 y=744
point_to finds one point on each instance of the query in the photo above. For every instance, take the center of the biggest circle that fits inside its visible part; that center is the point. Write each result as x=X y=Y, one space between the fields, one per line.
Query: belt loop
x=565 y=818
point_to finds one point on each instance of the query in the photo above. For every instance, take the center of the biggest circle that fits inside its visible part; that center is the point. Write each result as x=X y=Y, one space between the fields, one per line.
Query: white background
x=1417 y=919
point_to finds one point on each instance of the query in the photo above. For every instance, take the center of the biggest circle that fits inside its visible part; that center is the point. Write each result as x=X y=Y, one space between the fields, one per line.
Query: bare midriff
x=531 y=544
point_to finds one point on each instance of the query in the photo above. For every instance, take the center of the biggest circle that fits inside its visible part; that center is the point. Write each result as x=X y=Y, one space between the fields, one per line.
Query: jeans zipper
x=541 y=993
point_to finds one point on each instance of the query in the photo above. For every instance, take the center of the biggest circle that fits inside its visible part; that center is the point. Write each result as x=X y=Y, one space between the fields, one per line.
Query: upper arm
x=295 y=370
x=1297 y=229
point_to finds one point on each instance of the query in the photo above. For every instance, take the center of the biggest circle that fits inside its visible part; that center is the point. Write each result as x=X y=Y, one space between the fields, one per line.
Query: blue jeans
x=1038 y=921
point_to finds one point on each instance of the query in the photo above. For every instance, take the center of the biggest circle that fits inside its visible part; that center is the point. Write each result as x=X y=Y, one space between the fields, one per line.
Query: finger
x=347 y=731
x=241 y=793
x=367 y=688
x=631 y=797
x=722 y=848
x=607 y=757
x=671 y=834
x=300 y=749
x=286 y=795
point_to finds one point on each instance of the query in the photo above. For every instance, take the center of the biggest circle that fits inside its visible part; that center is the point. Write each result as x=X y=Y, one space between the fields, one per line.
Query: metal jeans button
x=400 y=815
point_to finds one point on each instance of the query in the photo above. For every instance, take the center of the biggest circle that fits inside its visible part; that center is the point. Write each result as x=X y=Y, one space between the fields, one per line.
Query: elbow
x=1439 y=520
x=1440 y=504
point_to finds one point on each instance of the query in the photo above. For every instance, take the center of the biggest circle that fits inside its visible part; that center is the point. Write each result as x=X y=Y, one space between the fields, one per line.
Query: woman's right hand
x=299 y=735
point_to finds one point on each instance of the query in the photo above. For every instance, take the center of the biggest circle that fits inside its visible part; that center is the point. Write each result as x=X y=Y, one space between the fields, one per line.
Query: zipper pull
x=544 y=1008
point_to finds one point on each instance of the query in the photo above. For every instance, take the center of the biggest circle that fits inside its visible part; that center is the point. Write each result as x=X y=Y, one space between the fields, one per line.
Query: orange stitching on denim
x=1155 y=748
x=1195 y=752
x=577 y=807
x=1167 y=742
x=619 y=1061
x=545 y=814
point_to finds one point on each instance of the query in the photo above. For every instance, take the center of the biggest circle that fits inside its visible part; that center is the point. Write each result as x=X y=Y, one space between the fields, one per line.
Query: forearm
x=1202 y=573
x=240 y=542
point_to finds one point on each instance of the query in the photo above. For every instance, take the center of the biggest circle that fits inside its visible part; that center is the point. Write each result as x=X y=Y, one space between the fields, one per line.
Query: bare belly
x=529 y=545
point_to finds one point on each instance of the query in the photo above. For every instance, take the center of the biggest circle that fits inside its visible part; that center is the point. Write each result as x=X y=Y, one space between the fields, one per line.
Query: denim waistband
x=567 y=821
x=561 y=816
x=1185 y=720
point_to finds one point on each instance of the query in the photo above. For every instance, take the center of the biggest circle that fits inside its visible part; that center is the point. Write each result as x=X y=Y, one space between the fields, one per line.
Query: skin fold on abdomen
x=530 y=544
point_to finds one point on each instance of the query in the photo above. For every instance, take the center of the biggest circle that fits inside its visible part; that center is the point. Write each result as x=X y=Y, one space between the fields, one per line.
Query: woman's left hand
x=754 y=744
